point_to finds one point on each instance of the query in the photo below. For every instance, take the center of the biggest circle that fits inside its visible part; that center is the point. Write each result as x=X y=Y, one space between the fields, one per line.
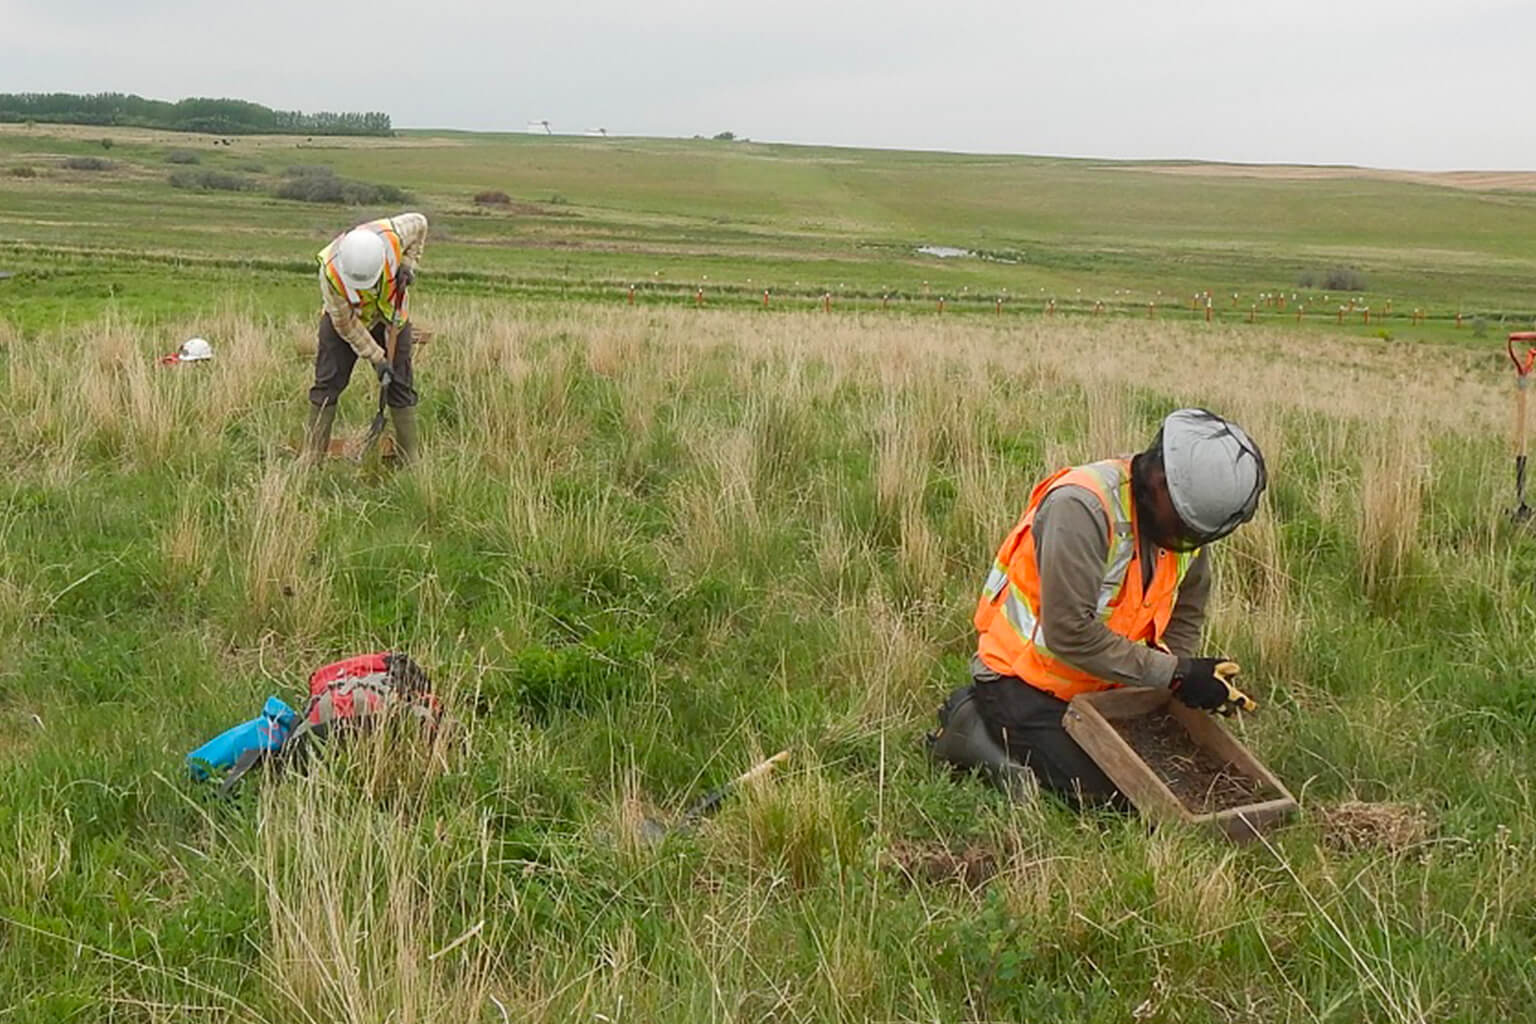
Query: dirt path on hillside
x=1472 y=181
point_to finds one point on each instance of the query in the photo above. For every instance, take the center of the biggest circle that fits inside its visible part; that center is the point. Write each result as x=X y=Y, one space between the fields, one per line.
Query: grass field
x=648 y=545
x=594 y=216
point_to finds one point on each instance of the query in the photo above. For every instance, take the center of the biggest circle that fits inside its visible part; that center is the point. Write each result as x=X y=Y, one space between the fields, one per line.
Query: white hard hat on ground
x=1215 y=472
x=194 y=349
x=360 y=258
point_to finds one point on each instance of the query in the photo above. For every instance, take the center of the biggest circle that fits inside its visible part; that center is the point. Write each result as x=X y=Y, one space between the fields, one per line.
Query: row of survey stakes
x=1204 y=305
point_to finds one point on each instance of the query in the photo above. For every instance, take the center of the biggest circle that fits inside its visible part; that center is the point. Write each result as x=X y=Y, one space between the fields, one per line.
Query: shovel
x=376 y=428
x=1522 y=511
x=654 y=831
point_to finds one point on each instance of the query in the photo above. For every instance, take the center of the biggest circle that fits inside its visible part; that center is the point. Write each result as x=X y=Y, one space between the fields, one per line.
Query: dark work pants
x=1026 y=722
x=334 y=359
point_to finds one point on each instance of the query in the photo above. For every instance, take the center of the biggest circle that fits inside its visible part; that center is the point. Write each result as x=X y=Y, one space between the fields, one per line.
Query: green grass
x=648 y=546
x=735 y=218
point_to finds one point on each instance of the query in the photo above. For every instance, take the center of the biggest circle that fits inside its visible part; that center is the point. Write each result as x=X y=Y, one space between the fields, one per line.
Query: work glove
x=385 y=371
x=1206 y=683
x=404 y=278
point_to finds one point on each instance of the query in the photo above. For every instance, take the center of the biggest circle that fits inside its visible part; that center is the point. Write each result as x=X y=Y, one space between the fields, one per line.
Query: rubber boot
x=404 y=420
x=317 y=430
x=963 y=742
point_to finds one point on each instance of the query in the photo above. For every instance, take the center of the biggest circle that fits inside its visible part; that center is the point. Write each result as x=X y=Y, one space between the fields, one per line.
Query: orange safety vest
x=1008 y=616
x=370 y=306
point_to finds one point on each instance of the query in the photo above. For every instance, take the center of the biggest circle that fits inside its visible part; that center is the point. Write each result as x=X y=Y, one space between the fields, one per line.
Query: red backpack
x=355 y=693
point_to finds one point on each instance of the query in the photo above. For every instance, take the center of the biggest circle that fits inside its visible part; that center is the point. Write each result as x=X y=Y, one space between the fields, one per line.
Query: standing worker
x=1102 y=583
x=365 y=275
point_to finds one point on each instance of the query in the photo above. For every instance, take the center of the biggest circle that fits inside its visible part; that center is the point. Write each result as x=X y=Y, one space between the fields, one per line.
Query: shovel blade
x=371 y=438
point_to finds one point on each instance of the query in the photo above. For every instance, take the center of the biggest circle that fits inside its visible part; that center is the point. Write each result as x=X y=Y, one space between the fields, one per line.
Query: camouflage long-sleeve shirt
x=412 y=229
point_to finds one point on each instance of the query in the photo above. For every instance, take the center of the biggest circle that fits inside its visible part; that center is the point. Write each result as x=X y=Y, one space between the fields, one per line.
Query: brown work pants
x=334 y=360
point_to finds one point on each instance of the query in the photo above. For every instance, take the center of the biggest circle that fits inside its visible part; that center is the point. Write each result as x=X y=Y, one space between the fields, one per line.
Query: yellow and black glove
x=1207 y=684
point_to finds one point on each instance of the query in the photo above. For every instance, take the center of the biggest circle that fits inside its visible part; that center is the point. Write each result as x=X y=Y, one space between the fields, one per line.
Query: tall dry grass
x=286 y=575
x=353 y=895
x=1394 y=473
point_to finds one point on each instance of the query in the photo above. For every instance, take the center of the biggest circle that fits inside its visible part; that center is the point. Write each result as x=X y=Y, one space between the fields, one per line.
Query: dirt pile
x=1356 y=825
x=937 y=864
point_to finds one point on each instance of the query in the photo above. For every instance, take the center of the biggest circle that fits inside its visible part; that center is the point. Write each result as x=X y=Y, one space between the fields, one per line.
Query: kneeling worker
x=364 y=277
x=1102 y=583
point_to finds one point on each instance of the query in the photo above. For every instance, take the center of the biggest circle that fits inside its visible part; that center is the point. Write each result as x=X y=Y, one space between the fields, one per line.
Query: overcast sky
x=1424 y=84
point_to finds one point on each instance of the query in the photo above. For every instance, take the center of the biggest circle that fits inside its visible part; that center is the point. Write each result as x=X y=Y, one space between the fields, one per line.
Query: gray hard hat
x=1215 y=472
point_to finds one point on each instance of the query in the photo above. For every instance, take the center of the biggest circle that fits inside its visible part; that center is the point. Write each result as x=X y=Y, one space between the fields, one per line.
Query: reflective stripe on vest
x=1012 y=639
x=1015 y=608
x=1114 y=493
x=372 y=305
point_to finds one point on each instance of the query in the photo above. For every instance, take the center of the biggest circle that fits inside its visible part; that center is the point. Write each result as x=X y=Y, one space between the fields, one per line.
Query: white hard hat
x=1215 y=472
x=360 y=258
x=194 y=349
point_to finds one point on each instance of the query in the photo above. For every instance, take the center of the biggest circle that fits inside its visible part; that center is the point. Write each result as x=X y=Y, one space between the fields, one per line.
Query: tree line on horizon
x=194 y=114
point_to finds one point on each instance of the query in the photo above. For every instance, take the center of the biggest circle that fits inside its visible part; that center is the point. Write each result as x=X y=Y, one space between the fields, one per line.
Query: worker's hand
x=385 y=371
x=1206 y=683
x=404 y=278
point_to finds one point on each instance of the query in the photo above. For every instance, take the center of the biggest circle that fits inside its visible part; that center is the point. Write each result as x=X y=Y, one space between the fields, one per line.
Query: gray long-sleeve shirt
x=1070 y=549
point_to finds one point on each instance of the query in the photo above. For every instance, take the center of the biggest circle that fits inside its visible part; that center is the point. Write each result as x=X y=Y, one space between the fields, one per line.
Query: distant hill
x=195 y=114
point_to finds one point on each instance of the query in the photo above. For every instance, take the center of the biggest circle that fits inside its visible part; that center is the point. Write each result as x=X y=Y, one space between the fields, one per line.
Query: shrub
x=211 y=181
x=1335 y=279
x=1344 y=279
x=308 y=170
x=183 y=156
x=325 y=187
x=1479 y=327
x=250 y=167
x=106 y=143
x=311 y=190
x=493 y=198
x=371 y=193
x=23 y=171
x=87 y=163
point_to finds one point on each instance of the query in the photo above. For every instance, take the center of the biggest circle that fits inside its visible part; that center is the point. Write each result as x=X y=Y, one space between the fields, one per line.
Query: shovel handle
x=761 y=768
x=392 y=332
x=1521 y=393
x=712 y=800
x=1523 y=367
